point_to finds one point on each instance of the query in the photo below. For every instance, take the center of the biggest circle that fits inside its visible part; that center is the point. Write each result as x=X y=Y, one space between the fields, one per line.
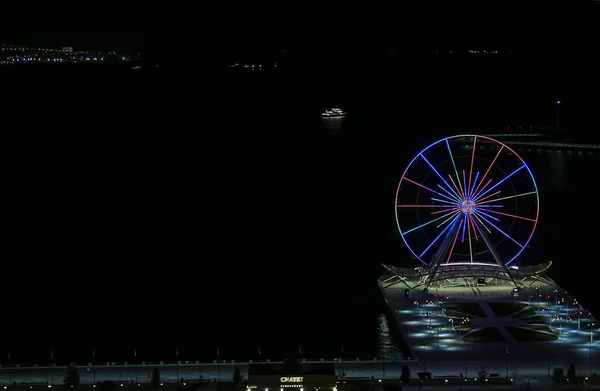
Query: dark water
x=159 y=212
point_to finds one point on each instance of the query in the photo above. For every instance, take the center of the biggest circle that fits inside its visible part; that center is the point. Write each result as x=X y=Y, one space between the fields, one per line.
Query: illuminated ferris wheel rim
x=474 y=137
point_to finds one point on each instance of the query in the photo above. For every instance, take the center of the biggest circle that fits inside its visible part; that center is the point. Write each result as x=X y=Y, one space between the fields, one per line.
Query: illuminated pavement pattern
x=430 y=333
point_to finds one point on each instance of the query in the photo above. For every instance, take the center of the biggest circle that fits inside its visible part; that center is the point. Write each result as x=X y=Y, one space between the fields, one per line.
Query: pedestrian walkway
x=478 y=387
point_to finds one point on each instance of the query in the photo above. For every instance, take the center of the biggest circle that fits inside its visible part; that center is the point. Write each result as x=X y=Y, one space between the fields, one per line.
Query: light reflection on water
x=387 y=348
x=333 y=123
x=557 y=167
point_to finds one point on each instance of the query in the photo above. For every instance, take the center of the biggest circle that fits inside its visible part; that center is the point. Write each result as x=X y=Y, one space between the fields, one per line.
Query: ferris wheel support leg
x=492 y=249
x=438 y=257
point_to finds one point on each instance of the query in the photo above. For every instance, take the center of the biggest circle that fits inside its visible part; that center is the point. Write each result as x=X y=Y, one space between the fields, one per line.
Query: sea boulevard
x=535 y=373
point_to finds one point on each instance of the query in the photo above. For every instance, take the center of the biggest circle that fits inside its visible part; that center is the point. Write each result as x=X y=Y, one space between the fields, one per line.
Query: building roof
x=290 y=367
x=469 y=270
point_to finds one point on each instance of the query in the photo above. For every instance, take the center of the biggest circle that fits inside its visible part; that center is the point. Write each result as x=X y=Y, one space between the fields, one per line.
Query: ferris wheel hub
x=467 y=206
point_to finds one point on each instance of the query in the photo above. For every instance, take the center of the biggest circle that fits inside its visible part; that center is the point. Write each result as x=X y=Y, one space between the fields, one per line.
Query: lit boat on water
x=335 y=112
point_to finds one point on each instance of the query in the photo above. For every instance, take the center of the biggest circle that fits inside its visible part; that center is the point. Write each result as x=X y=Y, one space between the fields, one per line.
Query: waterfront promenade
x=520 y=371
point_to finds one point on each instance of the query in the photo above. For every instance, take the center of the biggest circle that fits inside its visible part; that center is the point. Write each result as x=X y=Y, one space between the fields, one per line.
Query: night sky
x=162 y=27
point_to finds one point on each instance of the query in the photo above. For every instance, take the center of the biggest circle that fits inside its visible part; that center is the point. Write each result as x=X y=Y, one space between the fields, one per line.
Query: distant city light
x=23 y=54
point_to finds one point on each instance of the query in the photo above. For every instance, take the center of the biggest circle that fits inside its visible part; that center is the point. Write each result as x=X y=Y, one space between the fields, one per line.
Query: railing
x=187 y=363
x=556 y=144
x=515 y=135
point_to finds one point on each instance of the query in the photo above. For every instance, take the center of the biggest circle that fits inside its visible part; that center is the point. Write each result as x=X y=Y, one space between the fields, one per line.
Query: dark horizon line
x=238 y=43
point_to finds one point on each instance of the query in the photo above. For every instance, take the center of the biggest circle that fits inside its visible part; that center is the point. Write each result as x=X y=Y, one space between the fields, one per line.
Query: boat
x=335 y=112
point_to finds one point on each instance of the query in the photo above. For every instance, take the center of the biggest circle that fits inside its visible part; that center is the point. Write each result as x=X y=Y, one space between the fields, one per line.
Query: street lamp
x=465 y=346
x=591 y=341
x=177 y=363
x=342 y=361
x=218 y=366
x=52 y=368
x=135 y=365
x=94 y=365
x=560 y=327
x=9 y=372
x=507 y=352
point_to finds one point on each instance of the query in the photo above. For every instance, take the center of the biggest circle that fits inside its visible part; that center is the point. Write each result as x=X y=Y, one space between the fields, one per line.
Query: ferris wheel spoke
x=456 y=188
x=510 y=215
x=464 y=228
x=430 y=222
x=454 y=242
x=508 y=197
x=427 y=188
x=449 y=193
x=474 y=197
x=438 y=237
x=488 y=215
x=468 y=191
x=465 y=184
x=474 y=183
x=489 y=196
x=470 y=245
x=448 y=219
x=478 y=228
x=501 y=231
x=499 y=183
x=443 y=210
x=436 y=171
x=481 y=222
x=490 y=206
x=488 y=170
x=455 y=170
x=421 y=206
x=473 y=228
x=444 y=201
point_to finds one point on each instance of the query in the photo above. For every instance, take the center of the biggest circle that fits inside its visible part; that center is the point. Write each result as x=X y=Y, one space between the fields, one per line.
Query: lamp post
x=466 y=360
x=9 y=372
x=507 y=352
x=218 y=367
x=558 y=114
x=559 y=327
x=591 y=341
x=177 y=363
x=94 y=365
x=549 y=359
x=135 y=365
x=342 y=358
x=51 y=368
x=465 y=345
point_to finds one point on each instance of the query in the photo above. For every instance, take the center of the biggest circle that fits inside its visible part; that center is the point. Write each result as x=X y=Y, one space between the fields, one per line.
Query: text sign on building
x=298 y=379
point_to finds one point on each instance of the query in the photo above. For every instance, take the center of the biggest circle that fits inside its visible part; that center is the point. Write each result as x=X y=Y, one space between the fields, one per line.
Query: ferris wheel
x=467 y=199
